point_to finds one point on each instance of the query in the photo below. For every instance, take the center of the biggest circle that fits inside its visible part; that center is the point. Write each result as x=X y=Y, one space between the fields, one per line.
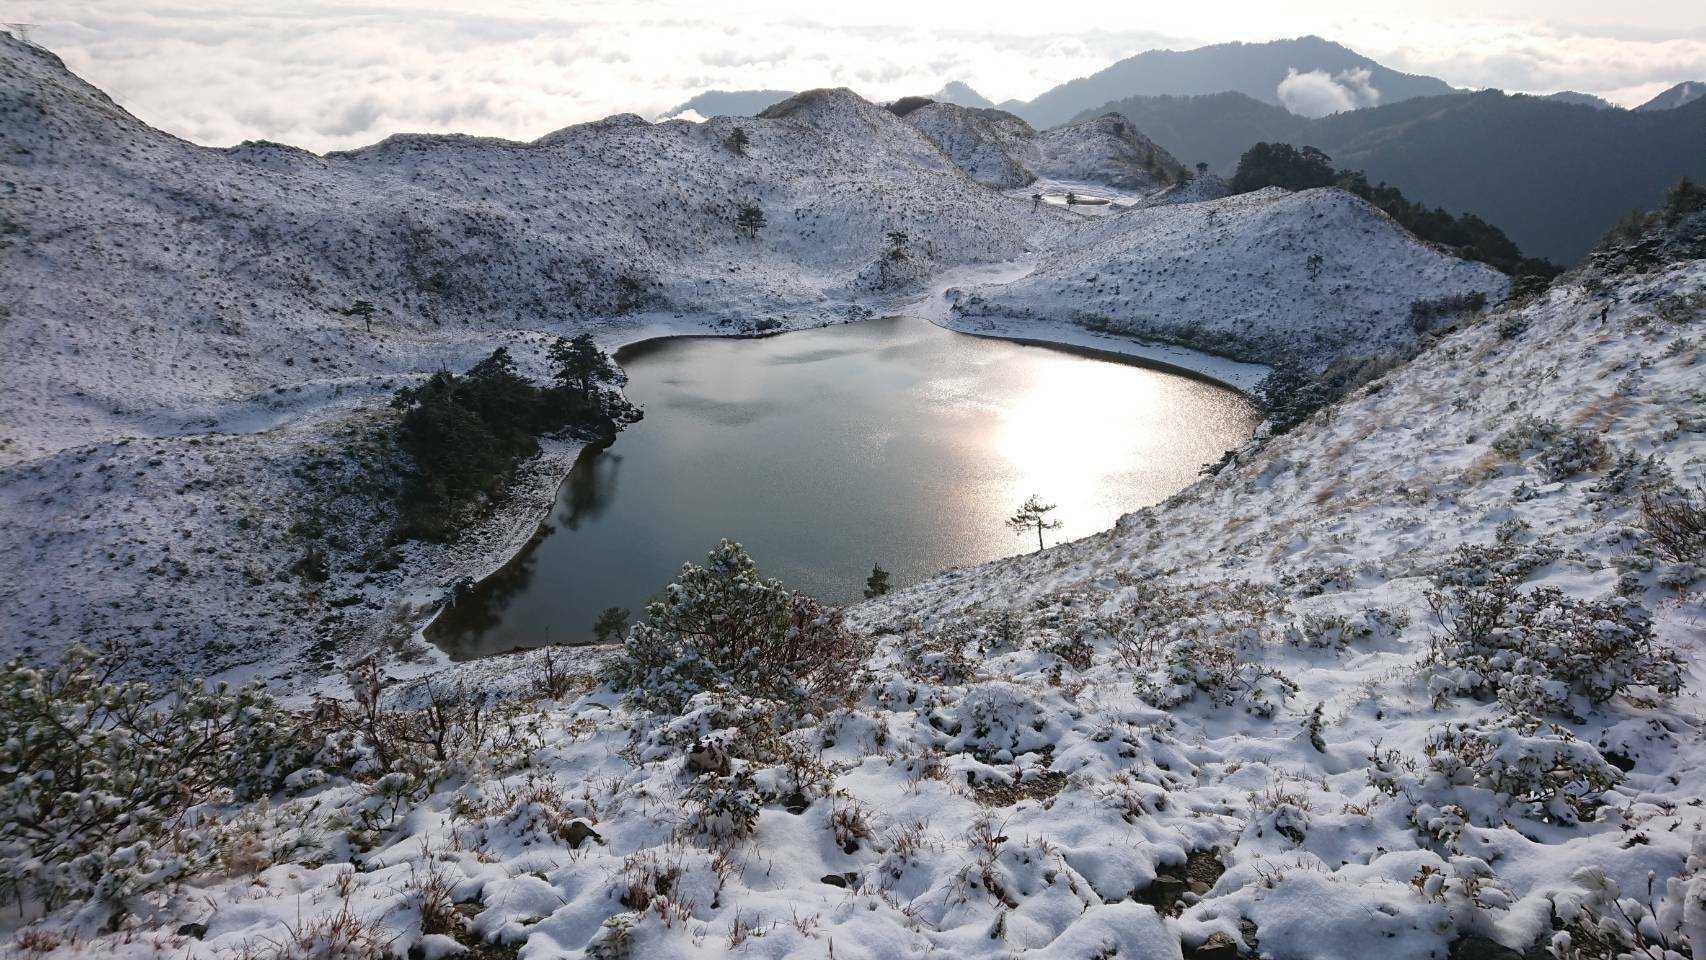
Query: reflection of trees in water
x=590 y=487
x=462 y=630
x=459 y=629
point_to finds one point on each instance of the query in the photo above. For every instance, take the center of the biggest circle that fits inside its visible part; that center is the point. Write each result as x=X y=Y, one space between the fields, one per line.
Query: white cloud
x=331 y=74
x=690 y=115
x=1316 y=94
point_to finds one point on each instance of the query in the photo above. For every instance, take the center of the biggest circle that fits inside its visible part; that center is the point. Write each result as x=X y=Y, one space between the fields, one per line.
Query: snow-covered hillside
x=216 y=276
x=1318 y=274
x=1416 y=680
x=1000 y=150
x=993 y=147
x=185 y=391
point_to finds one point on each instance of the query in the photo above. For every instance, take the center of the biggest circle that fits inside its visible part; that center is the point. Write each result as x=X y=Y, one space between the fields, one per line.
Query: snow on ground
x=1253 y=719
x=185 y=385
x=1318 y=274
x=1100 y=156
x=1219 y=729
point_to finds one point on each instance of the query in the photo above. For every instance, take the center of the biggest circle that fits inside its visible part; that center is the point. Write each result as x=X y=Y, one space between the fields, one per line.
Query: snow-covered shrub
x=1563 y=452
x=1280 y=810
x=1316 y=579
x=344 y=935
x=998 y=721
x=1535 y=650
x=946 y=656
x=104 y=784
x=1675 y=521
x=426 y=731
x=1466 y=884
x=1197 y=665
x=1507 y=558
x=1512 y=326
x=1543 y=771
x=1628 y=475
x=723 y=627
x=738 y=755
x=1603 y=924
x=724 y=806
x=1337 y=631
x=1154 y=614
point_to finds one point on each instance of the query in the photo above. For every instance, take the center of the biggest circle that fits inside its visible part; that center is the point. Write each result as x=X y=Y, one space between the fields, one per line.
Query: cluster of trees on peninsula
x=466 y=434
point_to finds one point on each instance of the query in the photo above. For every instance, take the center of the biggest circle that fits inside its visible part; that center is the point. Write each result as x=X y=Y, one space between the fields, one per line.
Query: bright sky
x=327 y=75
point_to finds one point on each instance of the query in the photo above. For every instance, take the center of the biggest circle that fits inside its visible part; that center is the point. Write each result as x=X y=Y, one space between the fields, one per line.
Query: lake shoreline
x=1121 y=351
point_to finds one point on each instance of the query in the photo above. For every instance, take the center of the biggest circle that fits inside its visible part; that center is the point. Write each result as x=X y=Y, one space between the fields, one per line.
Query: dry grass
x=1043 y=788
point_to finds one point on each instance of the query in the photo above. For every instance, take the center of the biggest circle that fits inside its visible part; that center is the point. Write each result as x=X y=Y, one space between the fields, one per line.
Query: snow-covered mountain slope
x=1000 y=150
x=1106 y=149
x=1238 y=724
x=158 y=286
x=184 y=388
x=993 y=147
x=1680 y=95
x=957 y=91
x=1318 y=274
x=196 y=299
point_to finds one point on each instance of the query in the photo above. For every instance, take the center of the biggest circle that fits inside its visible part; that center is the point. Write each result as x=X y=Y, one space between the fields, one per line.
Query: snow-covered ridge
x=183 y=382
x=999 y=150
x=202 y=280
x=1318 y=274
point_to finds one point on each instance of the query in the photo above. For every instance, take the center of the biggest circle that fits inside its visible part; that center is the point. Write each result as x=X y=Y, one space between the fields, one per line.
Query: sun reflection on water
x=1070 y=432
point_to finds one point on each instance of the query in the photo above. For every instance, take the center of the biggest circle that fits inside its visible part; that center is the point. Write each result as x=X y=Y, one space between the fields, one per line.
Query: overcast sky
x=329 y=75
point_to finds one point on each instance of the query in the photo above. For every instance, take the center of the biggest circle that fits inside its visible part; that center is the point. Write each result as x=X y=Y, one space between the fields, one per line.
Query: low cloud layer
x=327 y=74
x=1317 y=94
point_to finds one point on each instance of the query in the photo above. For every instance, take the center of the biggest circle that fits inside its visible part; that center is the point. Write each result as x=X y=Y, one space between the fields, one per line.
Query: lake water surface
x=889 y=441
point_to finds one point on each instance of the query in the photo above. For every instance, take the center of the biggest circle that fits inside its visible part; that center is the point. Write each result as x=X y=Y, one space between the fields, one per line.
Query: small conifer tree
x=1033 y=514
x=877 y=583
x=750 y=219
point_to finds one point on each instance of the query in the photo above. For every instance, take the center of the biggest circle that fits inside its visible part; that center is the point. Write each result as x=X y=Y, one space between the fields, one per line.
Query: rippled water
x=889 y=441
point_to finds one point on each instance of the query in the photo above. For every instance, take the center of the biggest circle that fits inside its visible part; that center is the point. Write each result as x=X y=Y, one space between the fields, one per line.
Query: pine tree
x=581 y=366
x=737 y=141
x=364 y=310
x=1034 y=513
x=751 y=218
x=877 y=583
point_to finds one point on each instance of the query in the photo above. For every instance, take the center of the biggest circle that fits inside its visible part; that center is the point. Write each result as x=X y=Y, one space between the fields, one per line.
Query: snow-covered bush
x=1535 y=650
x=998 y=721
x=1337 y=631
x=938 y=657
x=1603 y=924
x=1629 y=475
x=723 y=627
x=738 y=754
x=1563 y=452
x=1542 y=771
x=103 y=784
x=1506 y=558
x=723 y=807
x=1675 y=520
x=1198 y=665
x=426 y=731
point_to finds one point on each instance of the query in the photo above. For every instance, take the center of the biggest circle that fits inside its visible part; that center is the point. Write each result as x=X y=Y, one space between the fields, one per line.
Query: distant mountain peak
x=1680 y=95
x=959 y=93
x=729 y=103
x=1309 y=74
x=1581 y=99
